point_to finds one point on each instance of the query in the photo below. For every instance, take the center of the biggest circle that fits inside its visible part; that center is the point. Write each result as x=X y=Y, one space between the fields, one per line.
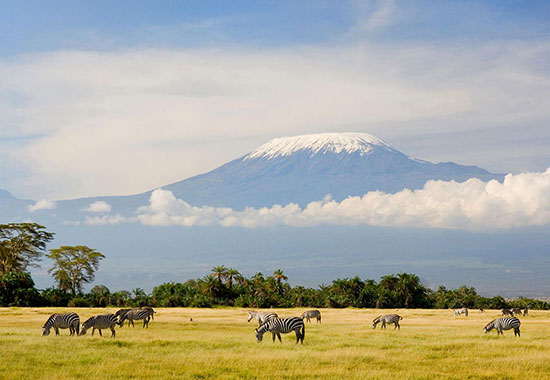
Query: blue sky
x=170 y=89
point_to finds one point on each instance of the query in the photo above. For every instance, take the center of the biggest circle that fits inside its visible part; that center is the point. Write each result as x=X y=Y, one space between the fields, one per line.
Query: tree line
x=22 y=245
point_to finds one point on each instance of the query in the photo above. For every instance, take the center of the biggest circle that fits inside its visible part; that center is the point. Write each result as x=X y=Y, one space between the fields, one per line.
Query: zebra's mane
x=51 y=318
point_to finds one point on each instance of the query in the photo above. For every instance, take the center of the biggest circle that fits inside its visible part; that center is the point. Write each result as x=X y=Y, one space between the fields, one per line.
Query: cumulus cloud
x=520 y=200
x=42 y=204
x=99 y=206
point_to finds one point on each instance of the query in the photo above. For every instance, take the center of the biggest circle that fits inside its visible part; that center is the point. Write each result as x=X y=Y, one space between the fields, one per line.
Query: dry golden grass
x=220 y=344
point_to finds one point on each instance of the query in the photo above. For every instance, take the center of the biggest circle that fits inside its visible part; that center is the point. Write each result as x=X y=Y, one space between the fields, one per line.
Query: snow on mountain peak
x=318 y=143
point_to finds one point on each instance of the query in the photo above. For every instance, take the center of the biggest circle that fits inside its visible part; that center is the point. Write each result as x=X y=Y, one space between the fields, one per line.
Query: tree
x=74 y=266
x=279 y=276
x=21 y=245
x=233 y=274
x=220 y=272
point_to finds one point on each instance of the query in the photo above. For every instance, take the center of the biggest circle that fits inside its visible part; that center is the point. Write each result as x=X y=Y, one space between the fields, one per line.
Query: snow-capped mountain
x=297 y=169
x=306 y=168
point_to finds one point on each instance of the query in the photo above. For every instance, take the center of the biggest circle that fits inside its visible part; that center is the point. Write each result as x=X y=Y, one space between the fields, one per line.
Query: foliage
x=74 y=266
x=21 y=245
x=17 y=289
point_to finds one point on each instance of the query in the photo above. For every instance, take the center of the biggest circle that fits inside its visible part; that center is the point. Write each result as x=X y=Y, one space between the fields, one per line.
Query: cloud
x=108 y=219
x=371 y=19
x=42 y=204
x=170 y=114
x=99 y=206
x=520 y=200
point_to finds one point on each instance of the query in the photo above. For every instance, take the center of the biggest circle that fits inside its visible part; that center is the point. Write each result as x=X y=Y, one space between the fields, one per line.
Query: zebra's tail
x=400 y=318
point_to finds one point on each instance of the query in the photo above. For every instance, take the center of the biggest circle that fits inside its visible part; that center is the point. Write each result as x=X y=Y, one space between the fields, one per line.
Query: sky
x=114 y=98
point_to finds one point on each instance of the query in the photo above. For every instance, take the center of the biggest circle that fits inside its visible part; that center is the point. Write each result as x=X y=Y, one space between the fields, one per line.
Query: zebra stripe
x=386 y=319
x=136 y=315
x=312 y=314
x=62 y=321
x=261 y=316
x=503 y=324
x=278 y=326
x=99 y=322
x=461 y=311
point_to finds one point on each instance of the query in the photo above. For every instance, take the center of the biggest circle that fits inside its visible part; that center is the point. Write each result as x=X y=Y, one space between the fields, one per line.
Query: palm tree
x=233 y=274
x=279 y=275
x=220 y=272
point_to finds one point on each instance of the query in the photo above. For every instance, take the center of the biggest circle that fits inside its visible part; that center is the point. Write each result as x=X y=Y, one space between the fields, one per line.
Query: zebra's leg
x=56 y=330
x=516 y=332
x=274 y=335
x=113 y=334
x=297 y=336
x=71 y=330
x=100 y=334
x=93 y=331
x=397 y=326
x=383 y=325
x=319 y=319
x=279 y=336
x=131 y=320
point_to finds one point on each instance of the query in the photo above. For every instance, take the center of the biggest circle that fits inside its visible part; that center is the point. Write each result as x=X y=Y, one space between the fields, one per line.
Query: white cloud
x=521 y=200
x=42 y=204
x=108 y=219
x=98 y=118
x=99 y=206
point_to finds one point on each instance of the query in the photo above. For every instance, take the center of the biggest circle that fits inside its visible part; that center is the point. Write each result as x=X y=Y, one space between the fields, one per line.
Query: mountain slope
x=305 y=168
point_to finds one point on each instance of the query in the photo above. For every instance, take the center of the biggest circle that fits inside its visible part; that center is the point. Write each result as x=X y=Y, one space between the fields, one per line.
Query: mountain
x=306 y=168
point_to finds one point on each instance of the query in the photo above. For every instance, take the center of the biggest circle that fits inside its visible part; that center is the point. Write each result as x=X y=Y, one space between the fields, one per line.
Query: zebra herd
x=267 y=322
x=71 y=321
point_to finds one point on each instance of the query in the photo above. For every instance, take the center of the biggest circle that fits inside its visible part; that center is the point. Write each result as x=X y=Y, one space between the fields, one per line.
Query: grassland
x=220 y=344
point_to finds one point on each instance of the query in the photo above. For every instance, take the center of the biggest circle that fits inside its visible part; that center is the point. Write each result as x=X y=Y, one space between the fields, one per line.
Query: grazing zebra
x=525 y=312
x=503 y=324
x=461 y=311
x=261 y=316
x=99 y=322
x=278 y=326
x=151 y=311
x=516 y=311
x=508 y=312
x=121 y=313
x=62 y=321
x=386 y=319
x=312 y=314
x=136 y=315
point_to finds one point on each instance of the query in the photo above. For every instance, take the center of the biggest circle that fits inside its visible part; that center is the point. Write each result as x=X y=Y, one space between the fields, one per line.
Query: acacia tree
x=74 y=266
x=21 y=245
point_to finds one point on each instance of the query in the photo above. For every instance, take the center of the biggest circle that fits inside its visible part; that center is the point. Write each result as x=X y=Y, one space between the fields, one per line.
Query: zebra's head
x=375 y=322
x=45 y=331
x=251 y=315
x=259 y=335
x=86 y=325
x=489 y=327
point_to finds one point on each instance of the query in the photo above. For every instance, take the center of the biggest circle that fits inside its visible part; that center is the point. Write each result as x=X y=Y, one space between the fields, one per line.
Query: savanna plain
x=220 y=344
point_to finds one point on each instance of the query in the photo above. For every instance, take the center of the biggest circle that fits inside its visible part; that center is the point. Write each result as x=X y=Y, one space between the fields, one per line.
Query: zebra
x=388 y=318
x=461 y=311
x=516 y=311
x=121 y=313
x=261 y=316
x=525 y=312
x=504 y=324
x=282 y=325
x=509 y=312
x=136 y=314
x=62 y=321
x=312 y=314
x=151 y=311
x=99 y=322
